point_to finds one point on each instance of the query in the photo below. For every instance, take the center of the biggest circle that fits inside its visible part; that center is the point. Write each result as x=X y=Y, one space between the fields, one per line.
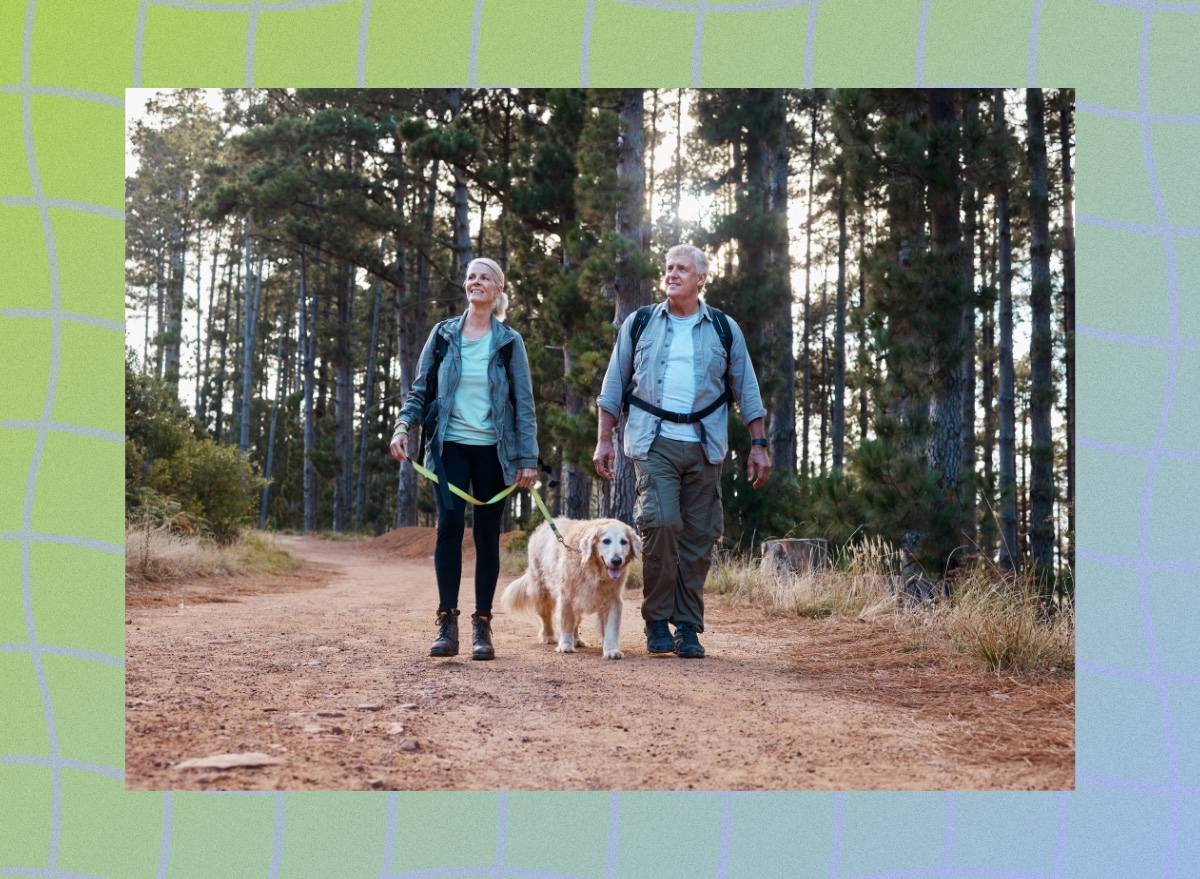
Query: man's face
x=682 y=282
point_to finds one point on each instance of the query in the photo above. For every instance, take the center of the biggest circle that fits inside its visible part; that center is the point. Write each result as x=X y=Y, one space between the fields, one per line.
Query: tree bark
x=629 y=289
x=1041 y=451
x=805 y=355
x=367 y=395
x=971 y=214
x=839 y=334
x=1066 y=109
x=782 y=425
x=308 y=341
x=343 y=399
x=249 y=329
x=1010 y=559
x=945 y=447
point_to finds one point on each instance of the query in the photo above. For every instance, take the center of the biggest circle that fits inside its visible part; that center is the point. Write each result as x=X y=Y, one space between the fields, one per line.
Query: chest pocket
x=641 y=353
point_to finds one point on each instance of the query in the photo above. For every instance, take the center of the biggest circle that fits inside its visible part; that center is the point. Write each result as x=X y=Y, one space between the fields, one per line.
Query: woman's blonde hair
x=500 y=308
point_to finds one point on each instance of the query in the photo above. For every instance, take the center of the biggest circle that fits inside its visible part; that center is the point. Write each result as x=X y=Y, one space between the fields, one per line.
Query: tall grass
x=158 y=553
x=997 y=619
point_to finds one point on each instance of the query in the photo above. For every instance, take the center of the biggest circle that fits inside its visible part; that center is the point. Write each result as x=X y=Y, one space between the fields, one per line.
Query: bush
x=174 y=477
x=215 y=484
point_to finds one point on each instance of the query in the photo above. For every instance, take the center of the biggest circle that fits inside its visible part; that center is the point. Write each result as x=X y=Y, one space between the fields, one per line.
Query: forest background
x=901 y=261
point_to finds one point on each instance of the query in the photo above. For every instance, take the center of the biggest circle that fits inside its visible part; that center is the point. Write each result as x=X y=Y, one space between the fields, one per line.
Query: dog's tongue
x=613 y=573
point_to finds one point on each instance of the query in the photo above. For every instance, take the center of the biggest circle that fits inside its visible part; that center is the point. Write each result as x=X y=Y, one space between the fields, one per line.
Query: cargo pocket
x=716 y=519
x=646 y=508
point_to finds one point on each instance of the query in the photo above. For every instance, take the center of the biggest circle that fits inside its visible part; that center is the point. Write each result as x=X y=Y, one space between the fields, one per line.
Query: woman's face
x=482 y=288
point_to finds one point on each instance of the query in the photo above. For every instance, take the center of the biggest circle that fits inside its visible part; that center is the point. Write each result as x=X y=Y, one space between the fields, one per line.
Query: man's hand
x=604 y=457
x=399 y=447
x=759 y=467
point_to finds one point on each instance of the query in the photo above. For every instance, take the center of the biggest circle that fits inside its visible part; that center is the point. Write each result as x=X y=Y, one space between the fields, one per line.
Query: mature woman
x=473 y=439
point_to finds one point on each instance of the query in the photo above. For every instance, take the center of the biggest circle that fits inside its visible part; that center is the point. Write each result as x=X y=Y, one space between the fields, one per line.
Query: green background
x=63 y=67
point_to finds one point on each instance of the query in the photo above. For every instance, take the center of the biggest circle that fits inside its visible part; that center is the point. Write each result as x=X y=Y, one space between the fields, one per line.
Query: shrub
x=215 y=484
x=175 y=478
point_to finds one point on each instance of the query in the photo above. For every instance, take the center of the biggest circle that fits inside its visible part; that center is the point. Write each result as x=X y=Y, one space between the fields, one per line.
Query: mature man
x=674 y=369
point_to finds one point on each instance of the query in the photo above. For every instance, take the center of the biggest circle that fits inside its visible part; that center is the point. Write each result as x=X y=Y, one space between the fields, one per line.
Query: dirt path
x=327 y=671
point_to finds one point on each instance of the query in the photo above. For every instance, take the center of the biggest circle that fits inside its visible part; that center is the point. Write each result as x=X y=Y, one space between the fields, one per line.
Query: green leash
x=537 y=499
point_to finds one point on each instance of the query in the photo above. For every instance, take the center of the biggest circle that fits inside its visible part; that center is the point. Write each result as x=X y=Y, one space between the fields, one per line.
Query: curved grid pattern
x=1116 y=813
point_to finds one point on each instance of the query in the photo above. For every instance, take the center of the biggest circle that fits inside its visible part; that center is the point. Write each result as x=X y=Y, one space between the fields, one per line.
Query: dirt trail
x=327 y=670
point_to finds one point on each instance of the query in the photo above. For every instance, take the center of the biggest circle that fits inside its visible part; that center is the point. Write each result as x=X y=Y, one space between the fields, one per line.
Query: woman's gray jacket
x=516 y=433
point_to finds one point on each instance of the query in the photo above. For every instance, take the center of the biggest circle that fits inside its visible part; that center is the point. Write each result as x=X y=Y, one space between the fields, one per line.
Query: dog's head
x=613 y=545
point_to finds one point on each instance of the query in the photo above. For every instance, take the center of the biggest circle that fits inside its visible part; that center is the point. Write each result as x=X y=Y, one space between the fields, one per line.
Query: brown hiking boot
x=446 y=642
x=481 y=634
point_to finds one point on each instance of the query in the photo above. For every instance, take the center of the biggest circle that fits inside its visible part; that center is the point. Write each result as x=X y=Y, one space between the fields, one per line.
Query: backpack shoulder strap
x=723 y=331
x=641 y=318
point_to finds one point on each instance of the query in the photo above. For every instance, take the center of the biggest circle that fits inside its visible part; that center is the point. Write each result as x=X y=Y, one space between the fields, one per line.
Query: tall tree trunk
x=1041 y=476
x=823 y=387
x=1066 y=110
x=249 y=329
x=839 y=333
x=629 y=289
x=367 y=394
x=233 y=281
x=280 y=382
x=648 y=226
x=862 y=357
x=308 y=341
x=989 y=528
x=343 y=399
x=202 y=399
x=677 y=230
x=462 y=217
x=175 y=296
x=1010 y=559
x=945 y=447
x=577 y=483
x=783 y=403
x=971 y=213
x=805 y=355
x=199 y=321
x=160 y=332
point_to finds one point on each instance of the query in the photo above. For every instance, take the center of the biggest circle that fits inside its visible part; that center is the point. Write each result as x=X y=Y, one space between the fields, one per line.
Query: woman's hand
x=399 y=447
x=526 y=477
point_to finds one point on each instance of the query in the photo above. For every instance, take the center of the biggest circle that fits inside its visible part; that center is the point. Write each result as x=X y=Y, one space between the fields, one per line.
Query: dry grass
x=158 y=554
x=994 y=618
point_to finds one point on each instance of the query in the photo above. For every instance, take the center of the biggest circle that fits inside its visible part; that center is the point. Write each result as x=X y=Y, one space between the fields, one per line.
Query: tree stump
x=794 y=556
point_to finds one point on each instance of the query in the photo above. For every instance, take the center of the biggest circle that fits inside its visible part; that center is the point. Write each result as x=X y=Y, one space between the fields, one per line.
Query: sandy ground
x=327 y=671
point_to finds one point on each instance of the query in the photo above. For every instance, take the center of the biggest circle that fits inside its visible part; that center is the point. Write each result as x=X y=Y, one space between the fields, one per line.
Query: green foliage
x=176 y=478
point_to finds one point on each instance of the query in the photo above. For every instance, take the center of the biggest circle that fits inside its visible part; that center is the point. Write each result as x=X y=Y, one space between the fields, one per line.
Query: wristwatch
x=758 y=442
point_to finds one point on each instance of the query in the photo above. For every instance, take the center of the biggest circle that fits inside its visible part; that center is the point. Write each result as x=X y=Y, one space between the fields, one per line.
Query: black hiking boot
x=687 y=645
x=481 y=635
x=446 y=642
x=658 y=637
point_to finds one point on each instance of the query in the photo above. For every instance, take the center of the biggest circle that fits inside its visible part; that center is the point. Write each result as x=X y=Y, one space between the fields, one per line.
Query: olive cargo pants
x=679 y=514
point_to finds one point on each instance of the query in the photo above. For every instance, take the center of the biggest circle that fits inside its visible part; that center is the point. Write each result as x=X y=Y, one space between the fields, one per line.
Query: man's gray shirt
x=645 y=368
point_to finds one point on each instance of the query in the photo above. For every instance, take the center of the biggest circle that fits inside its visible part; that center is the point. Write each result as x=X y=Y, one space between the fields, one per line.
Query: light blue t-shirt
x=679 y=378
x=470 y=420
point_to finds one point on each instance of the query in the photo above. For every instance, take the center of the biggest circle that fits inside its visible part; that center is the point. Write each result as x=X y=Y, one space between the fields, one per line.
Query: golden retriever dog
x=561 y=586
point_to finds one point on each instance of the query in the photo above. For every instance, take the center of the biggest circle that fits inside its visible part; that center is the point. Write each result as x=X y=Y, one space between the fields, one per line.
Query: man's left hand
x=759 y=467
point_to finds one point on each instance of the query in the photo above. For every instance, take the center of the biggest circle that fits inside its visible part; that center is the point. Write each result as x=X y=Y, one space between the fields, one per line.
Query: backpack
x=721 y=322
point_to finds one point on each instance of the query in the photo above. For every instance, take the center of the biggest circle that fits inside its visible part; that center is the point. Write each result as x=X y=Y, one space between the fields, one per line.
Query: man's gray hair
x=699 y=259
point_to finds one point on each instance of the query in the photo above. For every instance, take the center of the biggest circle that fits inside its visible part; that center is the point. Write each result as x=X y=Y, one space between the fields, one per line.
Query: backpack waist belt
x=682 y=417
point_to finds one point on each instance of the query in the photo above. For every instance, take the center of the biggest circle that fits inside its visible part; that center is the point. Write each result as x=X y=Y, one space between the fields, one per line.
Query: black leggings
x=476 y=470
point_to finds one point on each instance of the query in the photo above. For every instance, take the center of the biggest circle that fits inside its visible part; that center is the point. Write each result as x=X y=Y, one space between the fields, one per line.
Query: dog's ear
x=635 y=541
x=586 y=546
